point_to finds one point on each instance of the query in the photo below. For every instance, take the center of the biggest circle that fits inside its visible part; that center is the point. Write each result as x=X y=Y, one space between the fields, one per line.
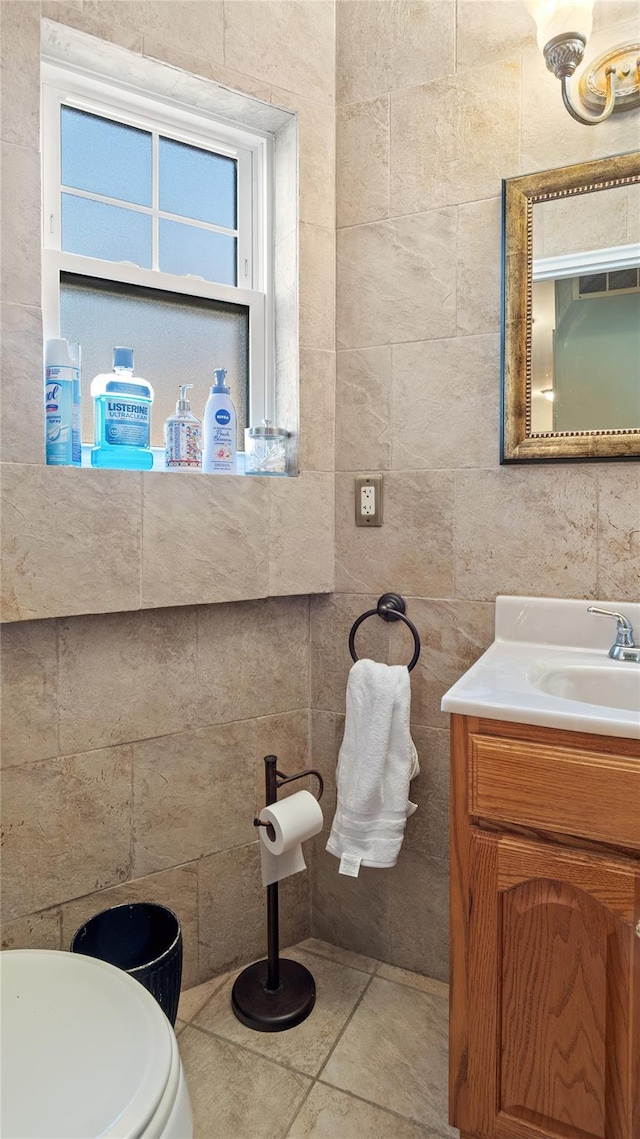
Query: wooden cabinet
x=545 y=933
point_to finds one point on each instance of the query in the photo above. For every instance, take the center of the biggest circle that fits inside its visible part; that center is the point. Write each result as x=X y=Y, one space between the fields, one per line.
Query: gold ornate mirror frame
x=519 y=443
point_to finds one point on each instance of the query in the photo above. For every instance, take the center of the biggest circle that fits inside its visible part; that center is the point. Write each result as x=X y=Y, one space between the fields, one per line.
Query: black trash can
x=145 y=940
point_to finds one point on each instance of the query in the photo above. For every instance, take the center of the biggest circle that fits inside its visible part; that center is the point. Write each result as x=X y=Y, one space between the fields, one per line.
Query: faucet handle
x=623 y=623
x=624 y=633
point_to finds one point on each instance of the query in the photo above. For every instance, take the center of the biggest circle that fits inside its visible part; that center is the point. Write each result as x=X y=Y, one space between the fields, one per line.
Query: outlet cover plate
x=368 y=487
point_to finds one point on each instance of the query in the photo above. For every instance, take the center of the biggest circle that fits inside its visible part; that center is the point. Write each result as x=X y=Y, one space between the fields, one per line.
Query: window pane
x=104 y=157
x=176 y=340
x=186 y=249
x=95 y=229
x=197 y=184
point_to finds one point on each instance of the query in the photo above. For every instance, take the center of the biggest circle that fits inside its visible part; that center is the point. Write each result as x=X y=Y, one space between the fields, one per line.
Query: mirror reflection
x=585 y=337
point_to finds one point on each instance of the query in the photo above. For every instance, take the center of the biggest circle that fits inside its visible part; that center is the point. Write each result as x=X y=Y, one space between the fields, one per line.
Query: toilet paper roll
x=293 y=819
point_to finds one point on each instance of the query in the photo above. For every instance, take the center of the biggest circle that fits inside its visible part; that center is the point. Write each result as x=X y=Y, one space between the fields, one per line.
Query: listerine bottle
x=122 y=416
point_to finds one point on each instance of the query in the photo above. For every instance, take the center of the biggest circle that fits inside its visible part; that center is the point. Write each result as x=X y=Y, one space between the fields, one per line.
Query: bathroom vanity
x=545 y=883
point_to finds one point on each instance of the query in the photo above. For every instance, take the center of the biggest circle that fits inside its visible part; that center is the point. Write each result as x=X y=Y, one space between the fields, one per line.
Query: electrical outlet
x=369 y=500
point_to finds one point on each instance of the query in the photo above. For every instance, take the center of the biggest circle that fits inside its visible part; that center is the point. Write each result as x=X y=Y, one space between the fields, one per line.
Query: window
x=157 y=236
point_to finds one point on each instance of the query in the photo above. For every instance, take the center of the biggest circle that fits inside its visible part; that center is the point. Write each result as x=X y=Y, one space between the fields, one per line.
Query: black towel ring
x=391 y=607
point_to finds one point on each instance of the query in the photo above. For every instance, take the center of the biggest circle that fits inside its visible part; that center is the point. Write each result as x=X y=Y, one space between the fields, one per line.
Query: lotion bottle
x=183 y=436
x=219 y=429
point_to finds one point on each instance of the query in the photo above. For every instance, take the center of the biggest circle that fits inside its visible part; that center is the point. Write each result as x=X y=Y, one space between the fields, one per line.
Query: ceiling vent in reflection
x=603 y=284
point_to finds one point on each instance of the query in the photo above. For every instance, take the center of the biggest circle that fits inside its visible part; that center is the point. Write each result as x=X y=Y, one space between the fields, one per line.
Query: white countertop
x=536 y=636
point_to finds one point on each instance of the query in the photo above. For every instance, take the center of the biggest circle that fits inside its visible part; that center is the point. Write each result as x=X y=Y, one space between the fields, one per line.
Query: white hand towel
x=376 y=763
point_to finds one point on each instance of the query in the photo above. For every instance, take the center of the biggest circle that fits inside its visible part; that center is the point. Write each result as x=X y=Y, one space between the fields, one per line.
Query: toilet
x=86 y=1052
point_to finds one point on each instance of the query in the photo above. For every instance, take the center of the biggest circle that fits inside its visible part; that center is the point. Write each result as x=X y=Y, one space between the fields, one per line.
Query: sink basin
x=600 y=686
x=549 y=666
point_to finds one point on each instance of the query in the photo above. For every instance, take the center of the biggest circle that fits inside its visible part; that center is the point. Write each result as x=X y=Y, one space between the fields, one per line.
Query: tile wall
x=133 y=741
x=436 y=103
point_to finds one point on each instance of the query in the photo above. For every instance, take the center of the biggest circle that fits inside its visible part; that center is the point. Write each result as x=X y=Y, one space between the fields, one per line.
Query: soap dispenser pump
x=183 y=436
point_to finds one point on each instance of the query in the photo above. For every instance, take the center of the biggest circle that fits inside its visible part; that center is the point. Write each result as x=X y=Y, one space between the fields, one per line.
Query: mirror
x=571 y=313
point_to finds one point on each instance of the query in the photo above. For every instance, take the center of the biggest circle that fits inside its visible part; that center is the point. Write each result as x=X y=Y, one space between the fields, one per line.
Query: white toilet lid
x=86 y=1051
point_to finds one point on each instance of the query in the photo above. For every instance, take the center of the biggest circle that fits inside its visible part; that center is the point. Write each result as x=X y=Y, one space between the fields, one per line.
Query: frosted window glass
x=197 y=184
x=95 y=229
x=176 y=340
x=187 y=249
x=104 y=157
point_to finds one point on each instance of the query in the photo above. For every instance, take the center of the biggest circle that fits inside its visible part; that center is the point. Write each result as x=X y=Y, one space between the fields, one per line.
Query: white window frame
x=254 y=155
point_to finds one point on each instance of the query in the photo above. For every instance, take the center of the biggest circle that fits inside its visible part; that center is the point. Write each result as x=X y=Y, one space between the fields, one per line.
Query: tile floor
x=369 y=1063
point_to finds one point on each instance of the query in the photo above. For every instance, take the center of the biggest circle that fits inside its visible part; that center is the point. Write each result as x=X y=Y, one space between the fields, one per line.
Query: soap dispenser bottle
x=183 y=436
x=219 y=447
x=122 y=416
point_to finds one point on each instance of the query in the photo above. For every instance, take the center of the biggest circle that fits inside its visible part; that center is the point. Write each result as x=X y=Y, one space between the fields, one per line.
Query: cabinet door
x=554 y=988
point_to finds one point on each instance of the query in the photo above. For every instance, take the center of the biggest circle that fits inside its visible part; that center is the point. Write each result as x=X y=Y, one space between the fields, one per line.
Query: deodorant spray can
x=62 y=403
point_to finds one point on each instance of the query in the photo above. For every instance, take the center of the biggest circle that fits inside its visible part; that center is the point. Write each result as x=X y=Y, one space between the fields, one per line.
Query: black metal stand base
x=275 y=1011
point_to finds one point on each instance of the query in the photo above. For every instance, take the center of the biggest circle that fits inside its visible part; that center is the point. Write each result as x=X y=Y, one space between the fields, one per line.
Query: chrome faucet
x=624 y=647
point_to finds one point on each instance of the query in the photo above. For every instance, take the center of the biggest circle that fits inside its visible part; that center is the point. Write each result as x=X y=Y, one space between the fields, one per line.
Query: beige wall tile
x=174 y=21
x=317 y=287
x=327 y=729
x=94 y=22
x=177 y=889
x=455 y=162
x=317 y=403
x=192 y=795
x=419 y=915
x=301 y=534
x=362 y=138
x=29 y=660
x=396 y=280
x=21 y=229
x=350 y=912
x=126 y=677
x=289 y=44
x=287 y=737
x=487 y=30
x=479 y=268
x=199 y=63
x=427 y=830
x=67 y=828
x=20 y=69
x=22 y=411
x=453 y=635
x=331 y=621
x=253 y=659
x=363 y=409
x=36 y=931
x=530 y=531
x=222 y=553
x=316 y=156
x=618 y=531
x=57 y=523
x=412 y=552
x=384 y=45
x=232 y=908
x=432 y=378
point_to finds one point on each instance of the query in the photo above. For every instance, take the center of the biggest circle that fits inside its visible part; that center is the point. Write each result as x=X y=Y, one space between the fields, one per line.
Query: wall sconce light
x=611 y=83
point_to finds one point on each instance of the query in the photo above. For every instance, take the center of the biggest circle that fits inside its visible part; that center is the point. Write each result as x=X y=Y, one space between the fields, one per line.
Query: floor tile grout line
x=344 y=1027
x=250 y=1051
x=299 y=1108
x=378 y=1106
x=325 y=957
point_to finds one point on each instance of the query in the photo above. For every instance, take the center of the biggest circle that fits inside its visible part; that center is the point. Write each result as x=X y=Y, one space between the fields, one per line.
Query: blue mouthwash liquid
x=122 y=417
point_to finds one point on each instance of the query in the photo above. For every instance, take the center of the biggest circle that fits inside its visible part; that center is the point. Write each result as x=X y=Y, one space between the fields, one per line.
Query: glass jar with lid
x=266 y=449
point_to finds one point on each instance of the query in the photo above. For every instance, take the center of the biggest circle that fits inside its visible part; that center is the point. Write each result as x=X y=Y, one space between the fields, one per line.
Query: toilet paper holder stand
x=276 y=993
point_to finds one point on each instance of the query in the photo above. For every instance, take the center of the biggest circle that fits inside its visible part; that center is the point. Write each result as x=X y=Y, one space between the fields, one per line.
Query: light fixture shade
x=561 y=17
